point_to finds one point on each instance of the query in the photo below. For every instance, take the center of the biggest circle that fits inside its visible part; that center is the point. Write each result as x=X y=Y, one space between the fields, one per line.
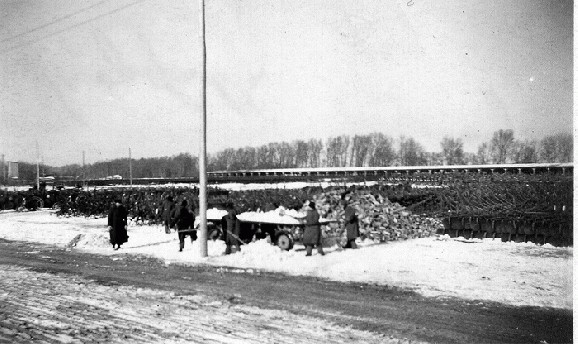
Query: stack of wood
x=379 y=219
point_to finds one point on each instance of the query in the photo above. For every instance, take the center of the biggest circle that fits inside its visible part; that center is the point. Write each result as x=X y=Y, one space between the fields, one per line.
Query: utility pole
x=203 y=151
x=37 y=167
x=3 y=171
x=130 y=166
x=84 y=172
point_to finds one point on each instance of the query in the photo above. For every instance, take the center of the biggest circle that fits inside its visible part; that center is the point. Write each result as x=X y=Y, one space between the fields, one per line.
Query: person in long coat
x=351 y=226
x=312 y=235
x=184 y=221
x=117 y=220
x=231 y=230
x=167 y=210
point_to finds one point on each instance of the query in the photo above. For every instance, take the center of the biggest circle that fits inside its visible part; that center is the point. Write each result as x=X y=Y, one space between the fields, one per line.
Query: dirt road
x=388 y=312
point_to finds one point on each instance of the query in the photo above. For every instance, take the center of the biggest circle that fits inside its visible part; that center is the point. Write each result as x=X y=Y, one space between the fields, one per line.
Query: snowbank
x=484 y=270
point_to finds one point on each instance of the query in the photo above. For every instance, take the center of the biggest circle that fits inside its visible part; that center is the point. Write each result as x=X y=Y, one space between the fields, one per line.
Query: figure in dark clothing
x=117 y=224
x=312 y=234
x=185 y=221
x=231 y=230
x=167 y=210
x=351 y=226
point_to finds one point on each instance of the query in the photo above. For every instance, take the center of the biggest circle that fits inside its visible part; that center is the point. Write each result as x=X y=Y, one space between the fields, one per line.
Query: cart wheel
x=34 y=203
x=284 y=241
x=214 y=234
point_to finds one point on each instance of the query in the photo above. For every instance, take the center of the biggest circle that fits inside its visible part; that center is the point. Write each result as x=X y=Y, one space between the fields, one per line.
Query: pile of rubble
x=379 y=219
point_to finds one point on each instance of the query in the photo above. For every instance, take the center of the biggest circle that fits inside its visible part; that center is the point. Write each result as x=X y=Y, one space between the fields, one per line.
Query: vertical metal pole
x=84 y=172
x=203 y=152
x=37 y=167
x=130 y=166
x=3 y=170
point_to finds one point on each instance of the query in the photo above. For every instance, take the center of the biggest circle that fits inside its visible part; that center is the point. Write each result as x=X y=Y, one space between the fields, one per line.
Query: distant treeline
x=372 y=150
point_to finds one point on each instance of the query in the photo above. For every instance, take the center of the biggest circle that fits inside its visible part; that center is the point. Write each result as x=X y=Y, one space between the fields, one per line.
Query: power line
x=54 y=21
x=3 y=52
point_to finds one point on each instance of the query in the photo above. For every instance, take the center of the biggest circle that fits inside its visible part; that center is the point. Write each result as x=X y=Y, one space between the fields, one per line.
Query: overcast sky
x=103 y=76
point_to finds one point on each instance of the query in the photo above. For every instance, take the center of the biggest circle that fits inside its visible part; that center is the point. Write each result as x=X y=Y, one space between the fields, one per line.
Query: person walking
x=167 y=209
x=351 y=226
x=231 y=230
x=312 y=235
x=184 y=221
x=117 y=219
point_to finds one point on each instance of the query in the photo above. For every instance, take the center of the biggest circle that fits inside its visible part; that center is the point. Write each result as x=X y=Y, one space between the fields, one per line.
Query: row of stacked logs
x=558 y=232
x=379 y=219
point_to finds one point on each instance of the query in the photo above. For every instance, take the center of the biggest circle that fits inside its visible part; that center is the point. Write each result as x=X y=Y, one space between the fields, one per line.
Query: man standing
x=185 y=220
x=117 y=224
x=231 y=229
x=167 y=210
x=312 y=234
x=351 y=225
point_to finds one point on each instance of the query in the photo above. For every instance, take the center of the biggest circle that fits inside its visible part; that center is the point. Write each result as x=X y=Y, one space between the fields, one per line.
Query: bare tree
x=332 y=152
x=262 y=157
x=470 y=158
x=556 y=148
x=315 y=147
x=301 y=151
x=525 y=152
x=286 y=155
x=360 y=150
x=484 y=155
x=501 y=145
x=411 y=153
x=434 y=158
x=565 y=147
x=452 y=151
x=344 y=141
x=382 y=153
x=244 y=159
x=273 y=155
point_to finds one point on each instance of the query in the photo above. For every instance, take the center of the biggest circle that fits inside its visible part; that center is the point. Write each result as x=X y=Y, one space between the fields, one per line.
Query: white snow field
x=480 y=270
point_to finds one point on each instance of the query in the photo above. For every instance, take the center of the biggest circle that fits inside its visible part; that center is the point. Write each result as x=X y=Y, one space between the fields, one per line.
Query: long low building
x=563 y=168
x=363 y=173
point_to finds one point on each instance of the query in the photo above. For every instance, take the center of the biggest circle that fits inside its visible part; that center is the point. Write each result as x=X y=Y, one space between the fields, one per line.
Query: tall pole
x=130 y=166
x=203 y=152
x=37 y=167
x=3 y=171
x=84 y=172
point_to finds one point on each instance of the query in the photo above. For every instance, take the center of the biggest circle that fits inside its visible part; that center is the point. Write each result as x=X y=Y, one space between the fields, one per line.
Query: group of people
x=312 y=235
x=182 y=219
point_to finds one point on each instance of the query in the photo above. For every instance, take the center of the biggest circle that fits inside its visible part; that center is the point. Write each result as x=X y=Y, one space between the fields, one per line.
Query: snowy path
x=489 y=270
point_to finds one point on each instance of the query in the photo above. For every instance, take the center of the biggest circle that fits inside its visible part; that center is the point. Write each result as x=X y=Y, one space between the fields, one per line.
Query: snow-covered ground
x=484 y=270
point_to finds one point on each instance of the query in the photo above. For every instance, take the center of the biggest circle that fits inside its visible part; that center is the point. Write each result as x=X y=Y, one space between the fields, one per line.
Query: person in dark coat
x=167 y=210
x=351 y=226
x=185 y=221
x=312 y=233
x=231 y=230
x=117 y=217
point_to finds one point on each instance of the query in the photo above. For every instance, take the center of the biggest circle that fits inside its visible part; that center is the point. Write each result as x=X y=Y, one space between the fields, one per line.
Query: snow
x=223 y=186
x=481 y=270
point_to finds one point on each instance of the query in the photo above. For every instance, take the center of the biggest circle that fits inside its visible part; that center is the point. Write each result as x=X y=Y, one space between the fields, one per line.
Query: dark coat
x=231 y=224
x=167 y=210
x=312 y=232
x=117 y=221
x=184 y=218
x=351 y=223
